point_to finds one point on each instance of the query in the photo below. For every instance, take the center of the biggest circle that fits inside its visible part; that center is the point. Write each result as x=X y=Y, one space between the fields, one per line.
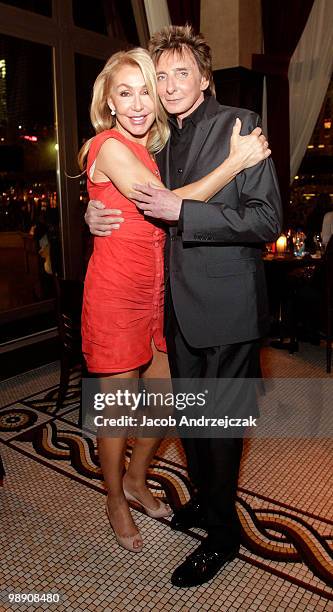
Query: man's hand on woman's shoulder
x=101 y=220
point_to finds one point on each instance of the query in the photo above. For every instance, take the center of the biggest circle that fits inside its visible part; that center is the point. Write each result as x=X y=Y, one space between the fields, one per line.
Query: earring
x=113 y=112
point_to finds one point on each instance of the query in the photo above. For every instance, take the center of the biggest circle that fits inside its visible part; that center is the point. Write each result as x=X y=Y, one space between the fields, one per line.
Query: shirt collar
x=194 y=118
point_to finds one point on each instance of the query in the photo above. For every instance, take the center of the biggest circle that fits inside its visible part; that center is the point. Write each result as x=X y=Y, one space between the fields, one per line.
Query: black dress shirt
x=180 y=142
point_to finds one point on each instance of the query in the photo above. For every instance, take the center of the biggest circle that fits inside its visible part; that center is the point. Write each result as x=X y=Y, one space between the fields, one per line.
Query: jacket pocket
x=234 y=267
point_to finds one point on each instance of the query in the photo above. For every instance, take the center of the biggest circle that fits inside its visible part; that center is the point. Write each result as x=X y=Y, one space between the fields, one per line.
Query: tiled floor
x=55 y=537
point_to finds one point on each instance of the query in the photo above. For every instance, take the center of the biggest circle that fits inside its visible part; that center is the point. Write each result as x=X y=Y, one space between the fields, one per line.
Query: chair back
x=69 y=295
x=329 y=302
x=329 y=272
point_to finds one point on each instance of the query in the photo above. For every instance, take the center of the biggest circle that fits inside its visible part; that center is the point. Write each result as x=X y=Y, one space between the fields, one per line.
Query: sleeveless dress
x=124 y=285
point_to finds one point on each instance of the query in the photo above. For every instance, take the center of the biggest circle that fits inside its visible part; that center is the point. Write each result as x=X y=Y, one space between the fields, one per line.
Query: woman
x=122 y=317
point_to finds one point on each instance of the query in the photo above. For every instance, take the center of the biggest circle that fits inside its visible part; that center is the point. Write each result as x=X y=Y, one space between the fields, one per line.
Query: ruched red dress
x=124 y=285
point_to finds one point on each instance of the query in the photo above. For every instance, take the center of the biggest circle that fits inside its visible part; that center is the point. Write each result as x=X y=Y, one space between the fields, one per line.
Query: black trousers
x=213 y=464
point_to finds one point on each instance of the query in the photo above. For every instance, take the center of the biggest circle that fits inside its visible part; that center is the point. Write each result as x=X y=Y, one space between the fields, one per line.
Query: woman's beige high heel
x=132 y=543
x=162 y=511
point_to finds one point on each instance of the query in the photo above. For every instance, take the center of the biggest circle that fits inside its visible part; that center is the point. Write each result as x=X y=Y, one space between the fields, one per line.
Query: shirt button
x=180 y=170
x=156 y=244
x=156 y=233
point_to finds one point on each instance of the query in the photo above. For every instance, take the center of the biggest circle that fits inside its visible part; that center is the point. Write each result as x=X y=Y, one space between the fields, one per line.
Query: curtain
x=185 y=11
x=309 y=74
x=157 y=15
x=283 y=24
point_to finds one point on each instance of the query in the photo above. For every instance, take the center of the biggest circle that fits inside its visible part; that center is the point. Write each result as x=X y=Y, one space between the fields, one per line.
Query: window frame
x=66 y=39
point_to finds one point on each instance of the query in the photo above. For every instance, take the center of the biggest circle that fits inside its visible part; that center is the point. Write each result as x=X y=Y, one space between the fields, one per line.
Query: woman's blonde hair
x=100 y=113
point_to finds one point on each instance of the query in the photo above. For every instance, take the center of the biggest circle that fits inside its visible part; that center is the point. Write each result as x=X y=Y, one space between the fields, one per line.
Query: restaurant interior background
x=50 y=54
x=56 y=540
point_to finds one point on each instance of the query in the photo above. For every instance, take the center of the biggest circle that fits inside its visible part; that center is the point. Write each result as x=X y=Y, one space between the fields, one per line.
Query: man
x=215 y=287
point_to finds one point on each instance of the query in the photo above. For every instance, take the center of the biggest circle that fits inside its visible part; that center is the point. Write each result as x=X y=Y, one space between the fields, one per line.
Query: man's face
x=179 y=82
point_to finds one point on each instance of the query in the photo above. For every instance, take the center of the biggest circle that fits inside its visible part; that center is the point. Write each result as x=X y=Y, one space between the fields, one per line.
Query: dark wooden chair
x=329 y=303
x=2 y=472
x=69 y=294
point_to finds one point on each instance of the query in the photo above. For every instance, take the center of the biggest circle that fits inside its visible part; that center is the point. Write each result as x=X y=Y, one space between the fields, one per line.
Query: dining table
x=282 y=271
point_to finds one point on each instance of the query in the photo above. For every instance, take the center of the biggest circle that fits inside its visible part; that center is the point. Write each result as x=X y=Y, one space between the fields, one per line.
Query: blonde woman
x=122 y=317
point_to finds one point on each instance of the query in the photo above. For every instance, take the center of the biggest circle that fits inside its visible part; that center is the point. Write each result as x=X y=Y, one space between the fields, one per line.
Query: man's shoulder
x=235 y=111
x=223 y=111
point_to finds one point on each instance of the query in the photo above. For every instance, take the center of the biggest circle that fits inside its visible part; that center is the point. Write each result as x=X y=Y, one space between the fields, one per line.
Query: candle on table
x=281 y=244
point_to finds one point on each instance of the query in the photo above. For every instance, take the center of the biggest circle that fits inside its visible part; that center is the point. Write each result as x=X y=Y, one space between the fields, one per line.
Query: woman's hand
x=247 y=151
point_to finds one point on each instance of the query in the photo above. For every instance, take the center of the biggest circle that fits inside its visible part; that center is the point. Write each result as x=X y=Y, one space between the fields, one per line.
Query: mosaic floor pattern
x=55 y=537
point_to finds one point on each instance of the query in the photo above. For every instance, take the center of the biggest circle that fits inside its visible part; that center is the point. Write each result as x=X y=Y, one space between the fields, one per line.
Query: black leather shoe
x=189 y=515
x=201 y=566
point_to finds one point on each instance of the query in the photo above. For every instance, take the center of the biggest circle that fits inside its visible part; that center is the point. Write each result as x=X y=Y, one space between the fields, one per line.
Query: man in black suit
x=216 y=305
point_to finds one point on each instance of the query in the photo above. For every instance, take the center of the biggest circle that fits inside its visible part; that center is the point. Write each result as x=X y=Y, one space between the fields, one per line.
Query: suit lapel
x=163 y=162
x=200 y=136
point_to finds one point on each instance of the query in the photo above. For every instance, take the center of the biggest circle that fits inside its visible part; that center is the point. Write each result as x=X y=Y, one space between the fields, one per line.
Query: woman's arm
x=116 y=162
x=245 y=152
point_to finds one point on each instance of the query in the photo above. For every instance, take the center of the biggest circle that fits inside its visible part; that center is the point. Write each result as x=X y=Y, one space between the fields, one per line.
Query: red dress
x=124 y=285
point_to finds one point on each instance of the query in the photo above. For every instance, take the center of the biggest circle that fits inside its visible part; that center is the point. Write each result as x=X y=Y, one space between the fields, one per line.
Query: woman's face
x=129 y=97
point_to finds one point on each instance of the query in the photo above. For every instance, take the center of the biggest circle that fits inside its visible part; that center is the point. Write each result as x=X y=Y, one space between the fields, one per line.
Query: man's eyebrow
x=173 y=70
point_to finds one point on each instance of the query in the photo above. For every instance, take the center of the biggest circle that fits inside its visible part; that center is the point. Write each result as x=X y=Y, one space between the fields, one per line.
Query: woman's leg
x=111 y=453
x=145 y=448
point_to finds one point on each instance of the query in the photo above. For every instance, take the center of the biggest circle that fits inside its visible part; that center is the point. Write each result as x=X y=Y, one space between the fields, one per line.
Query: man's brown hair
x=176 y=39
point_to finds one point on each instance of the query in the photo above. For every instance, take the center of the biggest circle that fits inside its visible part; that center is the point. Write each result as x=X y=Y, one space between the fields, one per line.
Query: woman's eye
x=161 y=77
x=145 y=92
x=124 y=93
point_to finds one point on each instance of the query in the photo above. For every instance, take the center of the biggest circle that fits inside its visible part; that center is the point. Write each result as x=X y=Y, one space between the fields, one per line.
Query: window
x=34 y=184
x=29 y=206
x=108 y=17
x=86 y=71
x=43 y=7
x=91 y=19
x=312 y=188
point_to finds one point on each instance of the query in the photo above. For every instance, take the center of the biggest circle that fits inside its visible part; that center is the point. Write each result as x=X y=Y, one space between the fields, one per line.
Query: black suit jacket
x=216 y=271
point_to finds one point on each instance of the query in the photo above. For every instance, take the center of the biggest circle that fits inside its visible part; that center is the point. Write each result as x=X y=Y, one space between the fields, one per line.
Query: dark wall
x=239 y=87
